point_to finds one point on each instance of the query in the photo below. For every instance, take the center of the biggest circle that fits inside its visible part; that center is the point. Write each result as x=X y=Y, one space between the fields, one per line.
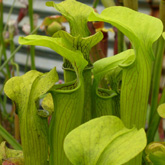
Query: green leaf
x=114 y=79
x=9 y=138
x=68 y=98
x=137 y=77
x=155 y=153
x=14 y=156
x=47 y=103
x=103 y=140
x=77 y=18
x=104 y=101
x=84 y=44
x=25 y=92
x=68 y=102
x=161 y=110
x=33 y=84
x=106 y=65
x=157 y=158
x=59 y=45
x=133 y=25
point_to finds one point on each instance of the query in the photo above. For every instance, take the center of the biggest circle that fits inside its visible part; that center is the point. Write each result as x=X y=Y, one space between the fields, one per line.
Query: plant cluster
x=92 y=121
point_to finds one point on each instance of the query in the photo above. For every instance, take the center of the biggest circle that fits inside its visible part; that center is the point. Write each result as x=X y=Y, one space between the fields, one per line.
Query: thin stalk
x=15 y=51
x=3 y=52
x=10 y=58
x=1 y=29
x=8 y=18
x=95 y=3
x=9 y=138
x=3 y=105
x=120 y=38
x=16 y=119
x=1 y=118
x=155 y=122
x=3 y=73
x=11 y=36
x=16 y=124
x=3 y=49
x=120 y=41
x=162 y=12
x=12 y=48
x=159 y=51
x=5 y=102
x=27 y=61
x=5 y=58
x=32 y=48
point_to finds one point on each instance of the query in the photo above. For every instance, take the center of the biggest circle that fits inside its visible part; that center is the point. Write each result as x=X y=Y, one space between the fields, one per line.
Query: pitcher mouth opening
x=71 y=69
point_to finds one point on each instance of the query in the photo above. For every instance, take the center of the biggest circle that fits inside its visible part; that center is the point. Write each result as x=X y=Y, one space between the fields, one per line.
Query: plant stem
x=68 y=115
x=120 y=41
x=70 y=75
x=1 y=29
x=12 y=48
x=132 y=4
x=16 y=50
x=95 y=3
x=16 y=124
x=32 y=48
x=120 y=38
x=3 y=104
x=9 y=138
x=159 y=51
x=3 y=50
x=10 y=58
x=16 y=120
x=9 y=14
x=155 y=121
x=162 y=12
